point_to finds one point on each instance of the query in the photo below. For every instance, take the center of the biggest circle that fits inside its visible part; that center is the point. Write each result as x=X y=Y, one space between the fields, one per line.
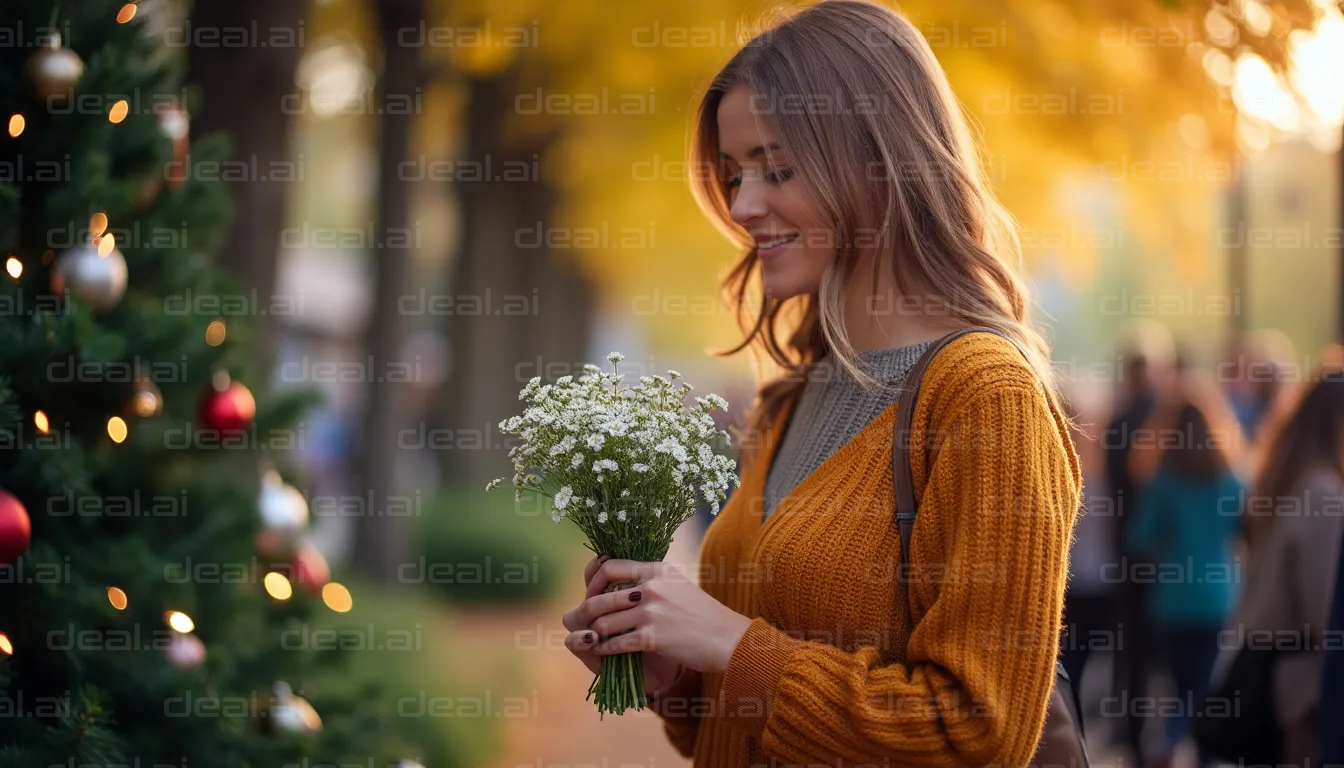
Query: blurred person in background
x=1088 y=618
x=1293 y=523
x=1147 y=358
x=1257 y=376
x=1186 y=524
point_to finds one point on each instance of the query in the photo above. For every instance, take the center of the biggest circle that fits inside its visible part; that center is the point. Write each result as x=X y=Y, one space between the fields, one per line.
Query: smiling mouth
x=774 y=242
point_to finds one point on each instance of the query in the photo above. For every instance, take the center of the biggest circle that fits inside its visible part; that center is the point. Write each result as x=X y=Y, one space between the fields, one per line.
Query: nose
x=749 y=202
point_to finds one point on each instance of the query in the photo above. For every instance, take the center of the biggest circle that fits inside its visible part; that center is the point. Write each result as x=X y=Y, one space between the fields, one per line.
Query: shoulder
x=1321 y=497
x=983 y=383
x=975 y=367
x=1324 y=480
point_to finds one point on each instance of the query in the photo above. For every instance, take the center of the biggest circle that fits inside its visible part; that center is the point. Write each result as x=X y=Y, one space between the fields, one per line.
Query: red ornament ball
x=229 y=407
x=310 y=568
x=16 y=529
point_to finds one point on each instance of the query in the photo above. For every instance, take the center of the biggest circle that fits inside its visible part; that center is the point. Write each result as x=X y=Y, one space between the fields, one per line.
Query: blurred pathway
x=520 y=653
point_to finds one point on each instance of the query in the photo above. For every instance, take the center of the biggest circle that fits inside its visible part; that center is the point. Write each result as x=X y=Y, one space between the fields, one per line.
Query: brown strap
x=906 y=504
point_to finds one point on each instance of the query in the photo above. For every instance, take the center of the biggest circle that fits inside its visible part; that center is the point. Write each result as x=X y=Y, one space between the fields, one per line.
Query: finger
x=639 y=640
x=617 y=622
x=600 y=605
x=571 y=619
x=620 y=572
x=580 y=645
x=592 y=566
x=581 y=641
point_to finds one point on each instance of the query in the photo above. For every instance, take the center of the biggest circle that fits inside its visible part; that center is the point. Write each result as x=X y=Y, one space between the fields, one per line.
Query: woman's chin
x=780 y=287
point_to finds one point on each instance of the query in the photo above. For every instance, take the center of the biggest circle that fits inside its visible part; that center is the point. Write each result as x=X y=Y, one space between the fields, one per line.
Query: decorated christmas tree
x=151 y=557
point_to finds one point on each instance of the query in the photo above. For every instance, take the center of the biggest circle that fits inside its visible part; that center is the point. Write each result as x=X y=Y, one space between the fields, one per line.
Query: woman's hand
x=663 y=613
x=659 y=671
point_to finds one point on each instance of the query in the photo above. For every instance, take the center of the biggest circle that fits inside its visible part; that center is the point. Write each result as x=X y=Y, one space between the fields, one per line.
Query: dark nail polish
x=636 y=596
x=603 y=558
x=589 y=637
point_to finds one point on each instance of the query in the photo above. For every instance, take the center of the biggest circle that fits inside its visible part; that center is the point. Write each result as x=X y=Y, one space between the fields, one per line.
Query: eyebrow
x=758 y=151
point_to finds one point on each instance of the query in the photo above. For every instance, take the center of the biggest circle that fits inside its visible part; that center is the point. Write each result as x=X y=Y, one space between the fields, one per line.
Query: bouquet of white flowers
x=628 y=467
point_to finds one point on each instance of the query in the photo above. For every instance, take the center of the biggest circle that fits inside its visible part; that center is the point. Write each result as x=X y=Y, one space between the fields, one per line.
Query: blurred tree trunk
x=381 y=541
x=505 y=264
x=243 y=91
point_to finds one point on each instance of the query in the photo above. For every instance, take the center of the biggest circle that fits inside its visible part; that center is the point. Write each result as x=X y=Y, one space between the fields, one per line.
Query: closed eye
x=777 y=176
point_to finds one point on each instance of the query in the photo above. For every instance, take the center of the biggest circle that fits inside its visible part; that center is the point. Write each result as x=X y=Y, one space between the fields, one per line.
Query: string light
x=118 y=111
x=117 y=598
x=116 y=429
x=16 y=125
x=179 y=621
x=126 y=13
x=97 y=224
x=215 y=333
x=337 y=597
x=40 y=421
x=6 y=647
x=14 y=267
x=277 y=586
x=106 y=244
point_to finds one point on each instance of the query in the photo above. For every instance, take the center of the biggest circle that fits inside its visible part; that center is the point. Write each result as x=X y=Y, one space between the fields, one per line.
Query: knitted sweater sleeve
x=1002 y=492
x=680 y=709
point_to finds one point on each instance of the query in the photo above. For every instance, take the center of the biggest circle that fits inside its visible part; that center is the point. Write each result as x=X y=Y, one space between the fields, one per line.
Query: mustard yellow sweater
x=833 y=669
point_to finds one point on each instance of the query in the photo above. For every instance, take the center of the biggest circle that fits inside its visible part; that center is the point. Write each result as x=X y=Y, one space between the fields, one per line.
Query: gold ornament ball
x=99 y=280
x=293 y=714
x=53 y=71
x=146 y=399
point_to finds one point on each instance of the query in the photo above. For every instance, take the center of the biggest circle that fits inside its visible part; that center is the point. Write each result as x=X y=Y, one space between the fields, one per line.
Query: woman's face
x=792 y=234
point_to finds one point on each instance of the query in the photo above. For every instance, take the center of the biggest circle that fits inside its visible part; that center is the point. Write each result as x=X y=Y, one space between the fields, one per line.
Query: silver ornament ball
x=99 y=280
x=53 y=71
x=283 y=508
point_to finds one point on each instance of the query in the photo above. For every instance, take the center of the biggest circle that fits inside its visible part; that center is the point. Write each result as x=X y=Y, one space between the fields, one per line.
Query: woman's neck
x=885 y=319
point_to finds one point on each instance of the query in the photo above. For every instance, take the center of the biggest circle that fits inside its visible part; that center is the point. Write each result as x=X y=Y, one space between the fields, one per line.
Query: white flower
x=563 y=496
x=602 y=517
x=590 y=502
x=602 y=465
x=625 y=492
x=615 y=357
x=638 y=467
x=620 y=515
x=493 y=484
x=576 y=461
x=596 y=441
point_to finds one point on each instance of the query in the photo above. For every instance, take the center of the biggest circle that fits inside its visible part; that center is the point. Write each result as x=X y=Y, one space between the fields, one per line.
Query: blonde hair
x=877 y=137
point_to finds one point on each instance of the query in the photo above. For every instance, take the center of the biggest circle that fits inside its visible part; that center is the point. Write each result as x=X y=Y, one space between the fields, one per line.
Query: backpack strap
x=907 y=506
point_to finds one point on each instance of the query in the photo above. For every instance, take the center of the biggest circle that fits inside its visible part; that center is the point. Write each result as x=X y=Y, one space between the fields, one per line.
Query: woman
x=846 y=172
x=1186 y=524
x=1293 y=523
